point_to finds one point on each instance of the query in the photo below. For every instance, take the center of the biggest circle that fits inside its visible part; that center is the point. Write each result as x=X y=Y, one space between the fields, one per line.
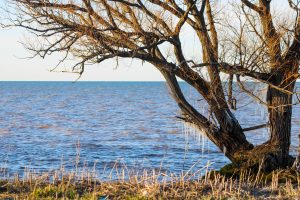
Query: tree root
x=265 y=158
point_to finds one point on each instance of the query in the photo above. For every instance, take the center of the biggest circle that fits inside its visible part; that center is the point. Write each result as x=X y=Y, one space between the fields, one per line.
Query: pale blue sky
x=15 y=67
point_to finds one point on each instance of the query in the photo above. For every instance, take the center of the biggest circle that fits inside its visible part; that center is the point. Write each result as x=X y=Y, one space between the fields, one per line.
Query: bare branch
x=252 y=6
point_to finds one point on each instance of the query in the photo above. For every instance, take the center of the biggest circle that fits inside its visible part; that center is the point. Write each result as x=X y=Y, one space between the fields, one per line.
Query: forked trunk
x=229 y=137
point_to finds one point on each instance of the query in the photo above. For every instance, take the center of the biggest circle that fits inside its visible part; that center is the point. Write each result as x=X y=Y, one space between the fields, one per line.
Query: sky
x=16 y=66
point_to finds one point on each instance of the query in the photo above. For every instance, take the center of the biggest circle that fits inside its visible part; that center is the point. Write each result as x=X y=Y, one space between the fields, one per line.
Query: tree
x=248 y=45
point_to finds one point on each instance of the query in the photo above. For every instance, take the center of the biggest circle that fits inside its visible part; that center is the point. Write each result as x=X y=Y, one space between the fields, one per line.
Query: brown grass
x=281 y=184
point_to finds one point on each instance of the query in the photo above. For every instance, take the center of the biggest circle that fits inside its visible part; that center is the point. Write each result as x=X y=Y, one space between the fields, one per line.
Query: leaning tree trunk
x=229 y=138
x=234 y=141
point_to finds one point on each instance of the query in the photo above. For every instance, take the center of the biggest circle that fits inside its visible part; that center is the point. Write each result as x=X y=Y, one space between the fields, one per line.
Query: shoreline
x=278 y=185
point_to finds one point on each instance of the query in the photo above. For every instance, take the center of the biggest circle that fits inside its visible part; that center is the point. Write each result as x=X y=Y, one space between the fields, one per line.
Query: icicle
x=224 y=150
x=191 y=130
x=208 y=147
x=203 y=146
x=262 y=113
x=268 y=130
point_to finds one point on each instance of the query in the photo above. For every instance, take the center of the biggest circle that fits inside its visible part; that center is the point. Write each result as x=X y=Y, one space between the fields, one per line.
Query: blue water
x=44 y=125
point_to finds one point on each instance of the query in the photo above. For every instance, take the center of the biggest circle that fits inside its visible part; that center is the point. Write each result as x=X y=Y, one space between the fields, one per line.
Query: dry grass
x=122 y=183
x=151 y=185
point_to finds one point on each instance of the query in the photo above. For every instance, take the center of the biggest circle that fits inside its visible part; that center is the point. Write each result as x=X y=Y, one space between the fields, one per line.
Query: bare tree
x=251 y=44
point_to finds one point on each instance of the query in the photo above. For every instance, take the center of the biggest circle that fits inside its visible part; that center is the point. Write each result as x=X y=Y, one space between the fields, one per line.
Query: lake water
x=46 y=125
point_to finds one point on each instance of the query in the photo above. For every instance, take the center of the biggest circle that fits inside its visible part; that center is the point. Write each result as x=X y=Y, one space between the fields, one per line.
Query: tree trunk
x=231 y=133
x=274 y=154
x=230 y=137
x=280 y=115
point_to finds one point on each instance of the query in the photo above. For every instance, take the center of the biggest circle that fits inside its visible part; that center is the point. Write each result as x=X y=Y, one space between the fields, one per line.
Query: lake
x=47 y=125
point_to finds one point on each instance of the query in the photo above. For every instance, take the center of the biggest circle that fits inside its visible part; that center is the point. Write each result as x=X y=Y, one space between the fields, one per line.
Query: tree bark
x=280 y=114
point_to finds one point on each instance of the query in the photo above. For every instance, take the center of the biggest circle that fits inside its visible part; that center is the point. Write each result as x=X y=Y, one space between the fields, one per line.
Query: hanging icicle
x=191 y=130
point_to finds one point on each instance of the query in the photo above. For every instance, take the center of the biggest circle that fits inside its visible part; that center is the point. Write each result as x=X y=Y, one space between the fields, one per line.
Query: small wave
x=4 y=131
x=44 y=126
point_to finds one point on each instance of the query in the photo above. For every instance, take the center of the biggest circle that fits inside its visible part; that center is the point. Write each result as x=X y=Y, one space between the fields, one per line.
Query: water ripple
x=46 y=124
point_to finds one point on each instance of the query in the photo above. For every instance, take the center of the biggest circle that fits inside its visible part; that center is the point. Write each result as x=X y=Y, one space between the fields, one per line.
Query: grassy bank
x=278 y=185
